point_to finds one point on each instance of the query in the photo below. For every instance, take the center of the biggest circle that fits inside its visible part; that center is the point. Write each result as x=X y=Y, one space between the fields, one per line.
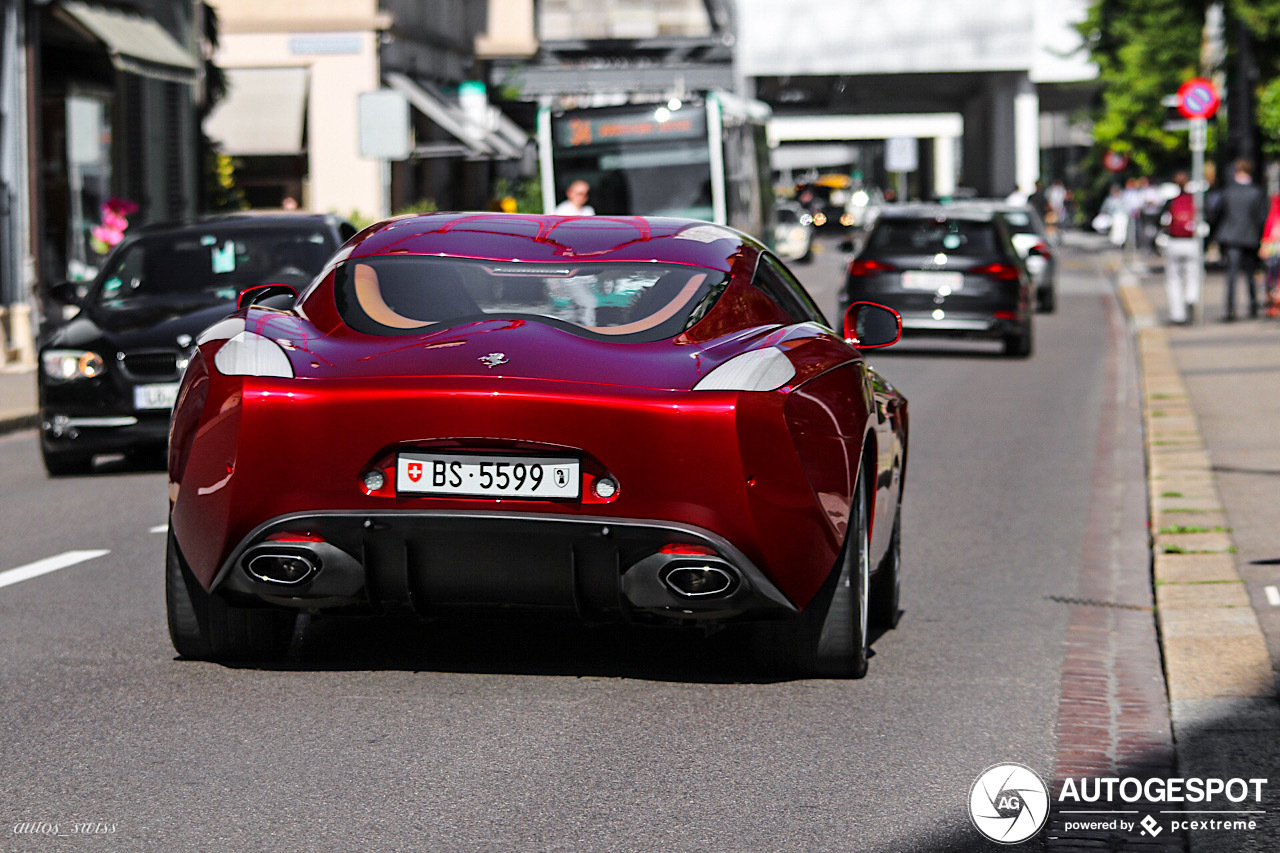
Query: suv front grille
x=150 y=364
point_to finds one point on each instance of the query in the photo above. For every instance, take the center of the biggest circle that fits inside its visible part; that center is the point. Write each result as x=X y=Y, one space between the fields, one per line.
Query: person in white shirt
x=575 y=203
x=578 y=289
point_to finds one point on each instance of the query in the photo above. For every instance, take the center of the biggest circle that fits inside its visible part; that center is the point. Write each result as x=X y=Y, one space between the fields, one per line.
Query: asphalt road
x=526 y=736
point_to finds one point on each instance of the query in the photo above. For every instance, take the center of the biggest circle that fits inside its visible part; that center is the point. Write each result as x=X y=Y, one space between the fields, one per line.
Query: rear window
x=1019 y=222
x=635 y=302
x=932 y=235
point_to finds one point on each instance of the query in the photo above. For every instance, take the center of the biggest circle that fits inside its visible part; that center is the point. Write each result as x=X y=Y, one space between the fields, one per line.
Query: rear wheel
x=831 y=634
x=1046 y=300
x=1019 y=344
x=888 y=582
x=204 y=627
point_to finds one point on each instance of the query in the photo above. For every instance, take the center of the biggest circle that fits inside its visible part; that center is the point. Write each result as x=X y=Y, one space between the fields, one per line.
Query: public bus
x=705 y=157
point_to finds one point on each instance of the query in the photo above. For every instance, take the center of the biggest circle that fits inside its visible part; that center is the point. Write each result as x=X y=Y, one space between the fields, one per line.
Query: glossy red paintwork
x=771 y=472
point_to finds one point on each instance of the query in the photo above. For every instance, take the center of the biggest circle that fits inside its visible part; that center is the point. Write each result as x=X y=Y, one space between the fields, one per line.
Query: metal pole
x=1198 y=135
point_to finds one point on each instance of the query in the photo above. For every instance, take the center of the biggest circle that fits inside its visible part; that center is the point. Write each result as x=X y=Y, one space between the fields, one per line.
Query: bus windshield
x=639 y=160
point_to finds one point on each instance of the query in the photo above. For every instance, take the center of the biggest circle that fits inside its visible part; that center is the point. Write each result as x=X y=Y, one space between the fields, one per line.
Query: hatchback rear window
x=635 y=302
x=931 y=236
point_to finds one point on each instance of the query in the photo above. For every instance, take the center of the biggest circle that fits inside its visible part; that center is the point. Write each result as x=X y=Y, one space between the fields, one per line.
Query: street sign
x=1114 y=161
x=1198 y=98
x=384 y=128
x=901 y=154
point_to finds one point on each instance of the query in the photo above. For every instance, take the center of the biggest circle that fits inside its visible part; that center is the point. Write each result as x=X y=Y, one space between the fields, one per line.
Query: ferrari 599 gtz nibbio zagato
x=631 y=419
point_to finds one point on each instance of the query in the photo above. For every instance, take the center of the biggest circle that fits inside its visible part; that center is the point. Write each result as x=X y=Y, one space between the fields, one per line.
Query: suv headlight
x=68 y=364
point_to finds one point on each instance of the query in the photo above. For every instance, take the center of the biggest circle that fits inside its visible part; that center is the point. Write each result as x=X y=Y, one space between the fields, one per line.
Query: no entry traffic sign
x=1198 y=98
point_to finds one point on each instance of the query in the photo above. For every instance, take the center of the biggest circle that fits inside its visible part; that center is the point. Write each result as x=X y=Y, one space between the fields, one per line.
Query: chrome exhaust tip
x=700 y=580
x=281 y=568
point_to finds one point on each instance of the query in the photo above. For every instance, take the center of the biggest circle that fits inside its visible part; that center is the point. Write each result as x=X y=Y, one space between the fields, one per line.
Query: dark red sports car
x=627 y=419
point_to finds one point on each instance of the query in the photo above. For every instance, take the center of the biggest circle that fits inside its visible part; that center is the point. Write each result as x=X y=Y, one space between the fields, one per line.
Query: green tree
x=1144 y=49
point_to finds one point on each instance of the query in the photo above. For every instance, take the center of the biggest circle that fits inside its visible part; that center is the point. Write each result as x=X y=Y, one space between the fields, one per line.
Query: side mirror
x=260 y=293
x=868 y=325
x=66 y=292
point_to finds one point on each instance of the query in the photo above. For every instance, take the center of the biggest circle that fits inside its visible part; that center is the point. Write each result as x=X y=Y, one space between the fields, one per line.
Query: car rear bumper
x=600 y=569
x=960 y=325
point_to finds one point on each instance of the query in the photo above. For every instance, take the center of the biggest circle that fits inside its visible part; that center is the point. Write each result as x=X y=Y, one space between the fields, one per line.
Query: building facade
x=98 y=103
x=296 y=73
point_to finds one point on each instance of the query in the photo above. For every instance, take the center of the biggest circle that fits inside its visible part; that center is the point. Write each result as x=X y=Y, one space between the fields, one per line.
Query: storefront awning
x=264 y=112
x=505 y=142
x=136 y=43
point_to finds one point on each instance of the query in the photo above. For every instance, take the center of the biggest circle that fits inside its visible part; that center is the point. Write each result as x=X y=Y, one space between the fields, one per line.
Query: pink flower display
x=110 y=232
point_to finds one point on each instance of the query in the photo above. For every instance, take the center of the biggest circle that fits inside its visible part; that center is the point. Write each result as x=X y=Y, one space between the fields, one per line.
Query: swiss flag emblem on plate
x=415 y=471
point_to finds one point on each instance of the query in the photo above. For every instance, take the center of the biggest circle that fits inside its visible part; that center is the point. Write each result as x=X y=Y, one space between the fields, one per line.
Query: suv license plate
x=158 y=396
x=470 y=475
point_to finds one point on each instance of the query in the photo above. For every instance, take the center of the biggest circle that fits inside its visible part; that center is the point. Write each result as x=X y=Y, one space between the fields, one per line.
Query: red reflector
x=294 y=537
x=687 y=549
x=1000 y=272
x=867 y=266
x=1006 y=315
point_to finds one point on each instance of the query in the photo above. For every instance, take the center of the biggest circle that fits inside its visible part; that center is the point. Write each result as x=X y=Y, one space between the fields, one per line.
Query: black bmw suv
x=109 y=376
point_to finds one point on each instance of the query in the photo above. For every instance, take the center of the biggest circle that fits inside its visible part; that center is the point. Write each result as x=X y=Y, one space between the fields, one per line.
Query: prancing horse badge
x=493 y=359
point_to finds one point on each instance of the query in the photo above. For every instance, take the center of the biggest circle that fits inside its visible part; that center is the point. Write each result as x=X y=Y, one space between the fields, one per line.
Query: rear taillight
x=998 y=271
x=1043 y=249
x=867 y=266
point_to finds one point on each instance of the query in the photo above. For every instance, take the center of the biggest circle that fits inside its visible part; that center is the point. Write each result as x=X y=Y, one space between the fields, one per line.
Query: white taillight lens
x=759 y=370
x=67 y=364
x=249 y=354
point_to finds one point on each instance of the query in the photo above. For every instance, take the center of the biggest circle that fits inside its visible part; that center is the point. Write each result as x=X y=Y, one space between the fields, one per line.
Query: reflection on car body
x=701 y=448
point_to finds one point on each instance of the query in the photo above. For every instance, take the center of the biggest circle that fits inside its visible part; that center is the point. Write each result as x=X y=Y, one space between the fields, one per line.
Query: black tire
x=1047 y=301
x=204 y=627
x=886 y=588
x=831 y=633
x=148 y=458
x=64 y=464
x=1019 y=345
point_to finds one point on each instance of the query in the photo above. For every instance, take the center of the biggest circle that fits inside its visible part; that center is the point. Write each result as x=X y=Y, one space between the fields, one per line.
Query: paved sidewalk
x=1211 y=394
x=17 y=398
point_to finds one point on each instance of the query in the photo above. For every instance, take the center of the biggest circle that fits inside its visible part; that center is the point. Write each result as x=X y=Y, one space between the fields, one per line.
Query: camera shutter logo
x=1008 y=803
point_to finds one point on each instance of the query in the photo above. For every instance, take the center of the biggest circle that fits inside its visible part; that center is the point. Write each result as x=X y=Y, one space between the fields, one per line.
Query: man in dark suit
x=1242 y=211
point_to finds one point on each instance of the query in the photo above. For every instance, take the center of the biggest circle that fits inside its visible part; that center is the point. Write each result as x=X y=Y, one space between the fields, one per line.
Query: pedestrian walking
x=1241 y=216
x=1270 y=254
x=1183 y=266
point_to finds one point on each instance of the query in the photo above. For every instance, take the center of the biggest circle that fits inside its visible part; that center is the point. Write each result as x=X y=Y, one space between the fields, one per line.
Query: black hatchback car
x=948 y=272
x=108 y=377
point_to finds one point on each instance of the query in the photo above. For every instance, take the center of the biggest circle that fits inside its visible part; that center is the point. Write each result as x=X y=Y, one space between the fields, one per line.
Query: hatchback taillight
x=998 y=271
x=867 y=266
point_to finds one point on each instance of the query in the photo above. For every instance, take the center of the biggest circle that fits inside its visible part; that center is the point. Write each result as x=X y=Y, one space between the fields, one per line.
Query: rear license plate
x=159 y=396
x=488 y=476
x=928 y=280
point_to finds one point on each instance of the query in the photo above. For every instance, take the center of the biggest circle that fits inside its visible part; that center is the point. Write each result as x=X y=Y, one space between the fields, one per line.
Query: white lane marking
x=1273 y=595
x=49 y=564
x=159 y=528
